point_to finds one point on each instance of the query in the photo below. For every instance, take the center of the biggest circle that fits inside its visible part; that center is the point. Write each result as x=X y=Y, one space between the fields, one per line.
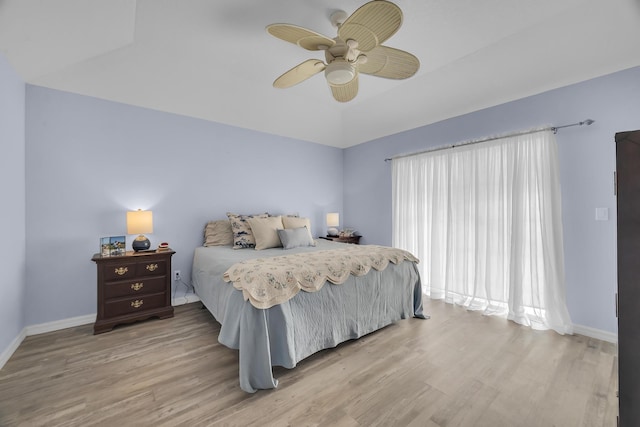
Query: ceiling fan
x=357 y=49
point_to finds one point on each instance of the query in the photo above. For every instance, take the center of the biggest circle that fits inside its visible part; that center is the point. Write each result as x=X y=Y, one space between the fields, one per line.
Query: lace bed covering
x=266 y=282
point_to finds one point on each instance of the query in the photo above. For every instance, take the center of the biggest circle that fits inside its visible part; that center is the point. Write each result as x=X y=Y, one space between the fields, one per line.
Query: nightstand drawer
x=152 y=268
x=120 y=271
x=123 y=306
x=134 y=287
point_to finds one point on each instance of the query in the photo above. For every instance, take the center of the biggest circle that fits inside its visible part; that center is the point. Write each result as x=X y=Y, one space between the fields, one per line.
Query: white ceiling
x=213 y=59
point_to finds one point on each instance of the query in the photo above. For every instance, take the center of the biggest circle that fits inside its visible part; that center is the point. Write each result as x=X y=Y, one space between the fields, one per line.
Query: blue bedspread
x=287 y=333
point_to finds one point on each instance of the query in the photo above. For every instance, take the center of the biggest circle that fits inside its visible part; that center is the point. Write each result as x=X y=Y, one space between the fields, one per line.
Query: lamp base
x=333 y=232
x=140 y=243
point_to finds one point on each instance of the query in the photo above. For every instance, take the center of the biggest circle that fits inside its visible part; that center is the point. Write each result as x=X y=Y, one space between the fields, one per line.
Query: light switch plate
x=602 y=214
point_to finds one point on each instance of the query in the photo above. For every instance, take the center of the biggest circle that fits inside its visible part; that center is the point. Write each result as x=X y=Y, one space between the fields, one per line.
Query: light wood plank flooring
x=457 y=369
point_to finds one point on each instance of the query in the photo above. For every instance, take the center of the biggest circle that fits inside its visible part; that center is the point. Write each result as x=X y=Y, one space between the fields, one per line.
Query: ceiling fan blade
x=390 y=63
x=345 y=92
x=371 y=24
x=303 y=37
x=299 y=73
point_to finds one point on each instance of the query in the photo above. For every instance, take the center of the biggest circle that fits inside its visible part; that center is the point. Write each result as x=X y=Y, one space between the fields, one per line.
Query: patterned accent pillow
x=242 y=235
x=218 y=233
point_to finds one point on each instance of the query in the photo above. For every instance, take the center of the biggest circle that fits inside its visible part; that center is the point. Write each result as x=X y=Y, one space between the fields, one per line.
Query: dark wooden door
x=628 y=191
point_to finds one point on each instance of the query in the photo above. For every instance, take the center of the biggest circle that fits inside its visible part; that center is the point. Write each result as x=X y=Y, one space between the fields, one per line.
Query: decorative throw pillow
x=291 y=222
x=265 y=231
x=218 y=233
x=295 y=237
x=242 y=235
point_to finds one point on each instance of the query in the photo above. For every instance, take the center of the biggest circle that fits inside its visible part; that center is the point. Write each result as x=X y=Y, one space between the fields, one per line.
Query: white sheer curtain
x=485 y=221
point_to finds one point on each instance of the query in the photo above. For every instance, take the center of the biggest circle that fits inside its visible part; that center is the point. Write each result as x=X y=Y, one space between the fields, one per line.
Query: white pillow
x=291 y=222
x=265 y=231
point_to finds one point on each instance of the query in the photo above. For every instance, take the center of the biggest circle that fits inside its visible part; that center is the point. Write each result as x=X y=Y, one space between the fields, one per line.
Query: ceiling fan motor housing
x=339 y=72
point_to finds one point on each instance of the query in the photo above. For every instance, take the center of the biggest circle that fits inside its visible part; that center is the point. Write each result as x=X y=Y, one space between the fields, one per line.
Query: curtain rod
x=491 y=138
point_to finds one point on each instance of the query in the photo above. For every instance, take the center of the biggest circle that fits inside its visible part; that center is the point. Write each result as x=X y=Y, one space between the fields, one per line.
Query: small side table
x=355 y=240
x=132 y=287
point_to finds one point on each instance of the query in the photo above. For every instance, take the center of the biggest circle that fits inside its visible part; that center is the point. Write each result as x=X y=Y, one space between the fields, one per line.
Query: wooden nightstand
x=353 y=239
x=132 y=287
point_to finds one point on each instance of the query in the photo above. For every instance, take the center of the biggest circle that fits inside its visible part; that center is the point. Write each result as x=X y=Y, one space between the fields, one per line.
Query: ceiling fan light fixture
x=340 y=72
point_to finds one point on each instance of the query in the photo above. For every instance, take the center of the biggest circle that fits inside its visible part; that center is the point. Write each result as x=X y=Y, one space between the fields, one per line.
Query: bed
x=308 y=322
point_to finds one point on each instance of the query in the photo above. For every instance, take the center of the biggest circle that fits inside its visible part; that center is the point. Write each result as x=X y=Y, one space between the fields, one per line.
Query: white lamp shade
x=333 y=219
x=139 y=222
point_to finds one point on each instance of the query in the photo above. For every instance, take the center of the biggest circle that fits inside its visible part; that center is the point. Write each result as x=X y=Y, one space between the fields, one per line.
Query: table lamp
x=140 y=222
x=333 y=220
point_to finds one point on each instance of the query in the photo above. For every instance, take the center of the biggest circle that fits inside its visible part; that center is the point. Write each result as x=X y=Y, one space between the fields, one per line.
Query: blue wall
x=83 y=162
x=90 y=160
x=587 y=162
x=12 y=194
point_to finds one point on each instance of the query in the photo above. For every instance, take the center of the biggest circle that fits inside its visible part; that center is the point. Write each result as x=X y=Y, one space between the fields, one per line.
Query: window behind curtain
x=485 y=221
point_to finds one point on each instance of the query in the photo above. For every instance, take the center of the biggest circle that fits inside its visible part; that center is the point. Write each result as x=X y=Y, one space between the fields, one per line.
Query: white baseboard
x=56 y=325
x=598 y=334
x=8 y=352
x=186 y=299
x=89 y=318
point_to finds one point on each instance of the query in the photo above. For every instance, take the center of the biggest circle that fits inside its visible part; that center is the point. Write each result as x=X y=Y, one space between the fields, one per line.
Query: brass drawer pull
x=137 y=303
x=152 y=267
x=121 y=270
x=137 y=286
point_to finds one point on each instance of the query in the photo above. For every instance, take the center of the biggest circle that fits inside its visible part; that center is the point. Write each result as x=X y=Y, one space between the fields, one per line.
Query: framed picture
x=105 y=250
x=118 y=245
x=113 y=246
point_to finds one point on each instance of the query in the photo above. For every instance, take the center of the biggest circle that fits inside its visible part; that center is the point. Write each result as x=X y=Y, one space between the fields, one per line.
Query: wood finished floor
x=457 y=369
